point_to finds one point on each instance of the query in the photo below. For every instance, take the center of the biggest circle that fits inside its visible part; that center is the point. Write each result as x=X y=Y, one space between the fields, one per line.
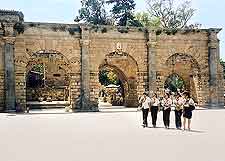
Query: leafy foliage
x=146 y=21
x=223 y=65
x=108 y=77
x=93 y=12
x=172 y=15
x=123 y=12
x=174 y=82
x=35 y=76
x=39 y=68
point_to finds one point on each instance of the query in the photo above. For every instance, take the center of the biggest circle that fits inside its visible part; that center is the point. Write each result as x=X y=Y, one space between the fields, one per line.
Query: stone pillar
x=152 y=61
x=8 y=22
x=9 y=66
x=84 y=103
x=215 y=98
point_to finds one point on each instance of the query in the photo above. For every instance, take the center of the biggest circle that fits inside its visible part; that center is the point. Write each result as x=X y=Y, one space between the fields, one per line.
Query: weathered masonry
x=61 y=62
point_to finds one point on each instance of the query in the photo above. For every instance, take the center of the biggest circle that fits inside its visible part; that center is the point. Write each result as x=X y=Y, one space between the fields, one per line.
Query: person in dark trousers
x=187 y=112
x=179 y=104
x=166 y=103
x=154 y=109
x=145 y=106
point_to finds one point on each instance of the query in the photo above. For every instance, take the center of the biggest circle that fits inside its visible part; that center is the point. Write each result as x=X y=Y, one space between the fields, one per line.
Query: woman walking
x=145 y=106
x=166 y=103
x=154 y=109
x=187 y=112
x=179 y=110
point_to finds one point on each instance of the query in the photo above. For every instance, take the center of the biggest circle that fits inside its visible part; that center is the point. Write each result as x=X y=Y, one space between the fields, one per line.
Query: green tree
x=145 y=19
x=108 y=77
x=172 y=15
x=174 y=82
x=93 y=12
x=123 y=12
x=223 y=65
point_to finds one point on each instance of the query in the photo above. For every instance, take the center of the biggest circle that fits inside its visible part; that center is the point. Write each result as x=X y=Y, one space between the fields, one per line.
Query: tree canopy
x=174 y=82
x=108 y=77
x=123 y=12
x=167 y=14
x=147 y=21
x=170 y=13
x=93 y=12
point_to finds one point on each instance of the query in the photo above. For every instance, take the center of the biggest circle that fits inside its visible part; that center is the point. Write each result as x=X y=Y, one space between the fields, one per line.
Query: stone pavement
x=111 y=135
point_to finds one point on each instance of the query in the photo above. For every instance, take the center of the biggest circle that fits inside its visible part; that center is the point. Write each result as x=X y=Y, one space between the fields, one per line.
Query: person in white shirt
x=166 y=103
x=154 y=109
x=179 y=110
x=145 y=106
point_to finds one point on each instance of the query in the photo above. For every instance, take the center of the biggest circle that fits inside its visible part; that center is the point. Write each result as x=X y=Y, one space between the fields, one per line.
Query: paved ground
x=113 y=135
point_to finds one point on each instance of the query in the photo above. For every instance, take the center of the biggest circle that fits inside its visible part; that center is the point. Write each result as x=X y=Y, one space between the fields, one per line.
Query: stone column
x=8 y=21
x=214 y=82
x=84 y=104
x=9 y=66
x=151 y=61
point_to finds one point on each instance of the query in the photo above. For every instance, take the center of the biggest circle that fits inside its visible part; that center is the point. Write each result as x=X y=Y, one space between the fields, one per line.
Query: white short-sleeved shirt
x=155 y=102
x=181 y=101
x=145 y=102
x=167 y=103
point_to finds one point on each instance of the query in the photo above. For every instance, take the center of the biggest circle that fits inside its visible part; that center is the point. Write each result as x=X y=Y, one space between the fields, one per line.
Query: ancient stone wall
x=142 y=58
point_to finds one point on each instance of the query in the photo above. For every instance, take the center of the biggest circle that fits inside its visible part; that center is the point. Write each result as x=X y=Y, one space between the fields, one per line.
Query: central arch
x=126 y=68
x=118 y=89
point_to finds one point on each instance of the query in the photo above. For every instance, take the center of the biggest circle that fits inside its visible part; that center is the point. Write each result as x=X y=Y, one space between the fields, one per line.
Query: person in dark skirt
x=166 y=103
x=179 y=104
x=187 y=111
x=154 y=109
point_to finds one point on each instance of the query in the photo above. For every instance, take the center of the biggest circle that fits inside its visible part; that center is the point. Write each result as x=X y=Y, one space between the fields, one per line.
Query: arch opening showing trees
x=113 y=85
x=48 y=77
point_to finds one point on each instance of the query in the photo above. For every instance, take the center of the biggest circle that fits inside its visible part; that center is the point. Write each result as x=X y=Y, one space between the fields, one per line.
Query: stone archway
x=188 y=69
x=120 y=89
x=48 y=77
x=127 y=70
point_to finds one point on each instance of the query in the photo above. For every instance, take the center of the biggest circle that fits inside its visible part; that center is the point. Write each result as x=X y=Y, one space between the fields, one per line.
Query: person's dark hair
x=145 y=93
x=168 y=95
x=188 y=95
x=155 y=95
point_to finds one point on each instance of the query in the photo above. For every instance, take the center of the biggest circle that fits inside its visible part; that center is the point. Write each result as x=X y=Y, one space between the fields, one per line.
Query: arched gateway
x=48 y=78
x=61 y=62
x=186 y=68
x=126 y=69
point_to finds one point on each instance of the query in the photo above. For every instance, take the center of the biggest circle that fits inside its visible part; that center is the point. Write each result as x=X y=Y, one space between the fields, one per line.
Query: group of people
x=183 y=104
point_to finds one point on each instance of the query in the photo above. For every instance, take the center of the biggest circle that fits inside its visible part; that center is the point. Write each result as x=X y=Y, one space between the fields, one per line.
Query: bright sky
x=210 y=13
